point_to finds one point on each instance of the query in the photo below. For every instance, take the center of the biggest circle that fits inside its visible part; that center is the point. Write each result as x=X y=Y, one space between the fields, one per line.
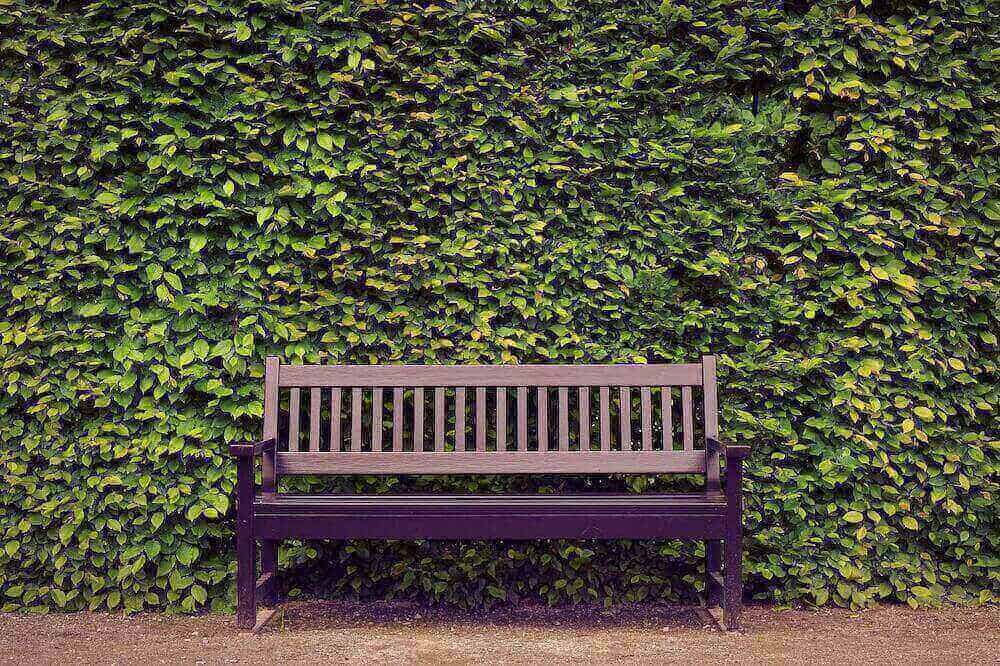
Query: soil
x=313 y=632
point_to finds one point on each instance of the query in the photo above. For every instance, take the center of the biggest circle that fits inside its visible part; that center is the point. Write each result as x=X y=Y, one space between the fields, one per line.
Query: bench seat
x=535 y=516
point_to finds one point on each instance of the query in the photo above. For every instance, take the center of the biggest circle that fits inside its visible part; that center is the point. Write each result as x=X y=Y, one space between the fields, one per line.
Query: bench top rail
x=368 y=376
x=480 y=419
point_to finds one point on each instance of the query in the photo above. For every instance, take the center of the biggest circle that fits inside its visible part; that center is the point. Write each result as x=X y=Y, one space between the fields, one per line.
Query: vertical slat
x=667 y=417
x=481 y=418
x=335 y=400
x=563 y=418
x=542 y=409
x=418 y=419
x=605 y=417
x=625 y=417
x=355 y=419
x=460 y=418
x=377 y=419
x=439 y=419
x=687 y=418
x=522 y=418
x=711 y=422
x=584 y=409
x=294 y=416
x=272 y=366
x=501 y=419
x=397 y=419
x=646 y=399
x=314 y=396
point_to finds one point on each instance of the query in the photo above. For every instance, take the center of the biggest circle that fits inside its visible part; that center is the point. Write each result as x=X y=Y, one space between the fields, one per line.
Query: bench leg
x=246 y=548
x=733 y=572
x=269 y=565
x=713 y=572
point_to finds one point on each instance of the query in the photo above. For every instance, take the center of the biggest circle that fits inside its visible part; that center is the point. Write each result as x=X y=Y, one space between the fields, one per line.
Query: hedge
x=808 y=190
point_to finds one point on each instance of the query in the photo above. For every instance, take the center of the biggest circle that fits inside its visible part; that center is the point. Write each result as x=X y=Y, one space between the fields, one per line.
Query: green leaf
x=197 y=242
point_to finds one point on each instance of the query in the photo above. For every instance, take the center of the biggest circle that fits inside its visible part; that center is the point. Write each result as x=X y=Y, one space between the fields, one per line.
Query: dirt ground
x=314 y=632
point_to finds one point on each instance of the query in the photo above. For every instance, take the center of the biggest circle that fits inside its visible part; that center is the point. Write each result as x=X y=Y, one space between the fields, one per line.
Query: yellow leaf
x=956 y=364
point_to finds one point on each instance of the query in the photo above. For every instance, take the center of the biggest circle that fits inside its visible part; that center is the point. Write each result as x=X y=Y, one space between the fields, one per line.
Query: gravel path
x=312 y=632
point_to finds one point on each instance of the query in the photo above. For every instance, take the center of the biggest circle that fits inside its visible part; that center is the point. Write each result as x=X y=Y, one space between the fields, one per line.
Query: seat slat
x=377 y=419
x=314 y=404
x=625 y=417
x=335 y=406
x=605 y=417
x=480 y=419
x=439 y=419
x=584 y=412
x=397 y=419
x=646 y=411
x=418 y=419
x=563 y=444
x=542 y=413
x=294 y=416
x=370 y=376
x=522 y=418
x=460 y=419
x=501 y=419
x=687 y=418
x=501 y=462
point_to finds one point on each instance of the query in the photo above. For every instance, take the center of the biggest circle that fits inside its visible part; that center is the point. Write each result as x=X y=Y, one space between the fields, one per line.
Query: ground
x=311 y=632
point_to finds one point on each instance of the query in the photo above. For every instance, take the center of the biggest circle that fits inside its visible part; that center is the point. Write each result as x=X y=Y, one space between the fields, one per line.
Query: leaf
x=910 y=523
x=325 y=141
x=924 y=413
x=92 y=309
x=197 y=242
x=242 y=32
x=831 y=166
x=853 y=517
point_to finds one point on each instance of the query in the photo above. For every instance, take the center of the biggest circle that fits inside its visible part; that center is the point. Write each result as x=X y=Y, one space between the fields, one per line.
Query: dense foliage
x=808 y=191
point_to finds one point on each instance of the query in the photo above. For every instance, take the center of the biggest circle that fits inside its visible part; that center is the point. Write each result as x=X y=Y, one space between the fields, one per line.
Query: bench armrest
x=251 y=449
x=730 y=451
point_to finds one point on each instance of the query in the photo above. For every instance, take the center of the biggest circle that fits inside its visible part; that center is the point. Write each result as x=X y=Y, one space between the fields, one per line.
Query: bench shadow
x=315 y=614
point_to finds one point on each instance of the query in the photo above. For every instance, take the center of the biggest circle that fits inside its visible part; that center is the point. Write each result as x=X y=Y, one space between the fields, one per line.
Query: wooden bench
x=527 y=419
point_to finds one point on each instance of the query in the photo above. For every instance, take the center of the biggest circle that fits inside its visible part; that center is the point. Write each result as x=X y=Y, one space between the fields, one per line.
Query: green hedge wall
x=808 y=191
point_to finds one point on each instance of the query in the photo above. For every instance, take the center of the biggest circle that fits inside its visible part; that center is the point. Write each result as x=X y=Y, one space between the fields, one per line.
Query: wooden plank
x=397 y=419
x=490 y=375
x=563 y=444
x=294 y=416
x=711 y=422
x=625 y=417
x=272 y=367
x=583 y=409
x=687 y=418
x=377 y=401
x=335 y=406
x=480 y=419
x=542 y=414
x=355 y=444
x=460 y=418
x=501 y=462
x=314 y=403
x=646 y=411
x=522 y=418
x=502 y=419
x=667 y=417
x=264 y=615
x=439 y=419
x=418 y=419
x=605 y=417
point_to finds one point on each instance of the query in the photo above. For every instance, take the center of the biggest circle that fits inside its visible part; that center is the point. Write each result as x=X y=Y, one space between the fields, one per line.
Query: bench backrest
x=489 y=419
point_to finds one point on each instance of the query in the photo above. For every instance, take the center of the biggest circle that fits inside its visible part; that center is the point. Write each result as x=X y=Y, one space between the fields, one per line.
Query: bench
x=513 y=419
